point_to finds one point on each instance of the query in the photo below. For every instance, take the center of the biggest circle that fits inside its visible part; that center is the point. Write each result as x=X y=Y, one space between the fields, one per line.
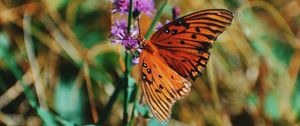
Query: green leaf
x=295 y=100
x=100 y=76
x=105 y=63
x=271 y=106
x=88 y=36
x=4 y=44
x=155 y=122
x=234 y=4
x=56 y=4
x=132 y=89
x=296 y=104
x=47 y=117
x=108 y=61
x=69 y=100
x=252 y=100
x=90 y=5
x=282 y=50
x=143 y=109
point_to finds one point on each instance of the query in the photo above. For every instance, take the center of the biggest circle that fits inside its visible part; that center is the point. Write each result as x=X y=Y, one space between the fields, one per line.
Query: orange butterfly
x=177 y=51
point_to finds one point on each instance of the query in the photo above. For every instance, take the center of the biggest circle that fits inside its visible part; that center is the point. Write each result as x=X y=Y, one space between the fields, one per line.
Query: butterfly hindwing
x=185 y=42
x=161 y=85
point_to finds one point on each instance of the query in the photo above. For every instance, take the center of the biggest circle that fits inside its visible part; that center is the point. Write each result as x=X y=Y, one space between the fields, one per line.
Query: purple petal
x=158 y=25
x=144 y=6
x=135 y=60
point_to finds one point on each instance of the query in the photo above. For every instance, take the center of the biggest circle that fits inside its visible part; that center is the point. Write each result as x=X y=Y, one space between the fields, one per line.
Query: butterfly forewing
x=212 y=19
x=161 y=85
x=185 y=42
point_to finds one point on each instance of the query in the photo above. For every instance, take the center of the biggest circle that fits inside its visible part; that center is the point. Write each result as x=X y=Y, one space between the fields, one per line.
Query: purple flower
x=145 y=6
x=119 y=28
x=175 y=12
x=135 y=60
x=160 y=25
x=120 y=35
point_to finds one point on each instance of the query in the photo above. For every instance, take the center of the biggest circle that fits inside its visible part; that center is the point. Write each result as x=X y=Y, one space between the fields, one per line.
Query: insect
x=178 y=51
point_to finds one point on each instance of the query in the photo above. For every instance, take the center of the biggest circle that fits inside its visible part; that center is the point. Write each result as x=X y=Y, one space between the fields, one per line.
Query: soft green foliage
x=155 y=122
x=4 y=44
x=69 y=103
x=271 y=106
x=295 y=100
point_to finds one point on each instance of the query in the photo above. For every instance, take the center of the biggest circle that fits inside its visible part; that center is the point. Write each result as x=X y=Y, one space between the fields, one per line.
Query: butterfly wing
x=185 y=42
x=161 y=85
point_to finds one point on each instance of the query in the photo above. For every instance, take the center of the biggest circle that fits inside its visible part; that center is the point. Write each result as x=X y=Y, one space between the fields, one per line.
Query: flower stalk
x=127 y=65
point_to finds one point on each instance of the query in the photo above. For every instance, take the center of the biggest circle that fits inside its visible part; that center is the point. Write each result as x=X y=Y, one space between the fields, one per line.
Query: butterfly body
x=177 y=51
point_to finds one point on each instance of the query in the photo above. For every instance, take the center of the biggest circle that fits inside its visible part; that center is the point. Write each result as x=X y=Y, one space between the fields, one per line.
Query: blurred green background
x=58 y=66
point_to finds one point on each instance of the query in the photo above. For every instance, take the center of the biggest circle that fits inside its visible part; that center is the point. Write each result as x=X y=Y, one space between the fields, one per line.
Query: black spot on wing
x=174 y=31
x=167 y=30
x=182 y=42
x=159 y=76
x=181 y=22
x=193 y=36
x=149 y=71
x=161 y=87
x=144 y=65
x=197 y=29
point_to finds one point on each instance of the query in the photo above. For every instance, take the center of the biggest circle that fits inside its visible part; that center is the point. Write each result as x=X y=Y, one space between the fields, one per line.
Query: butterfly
x=178 y=51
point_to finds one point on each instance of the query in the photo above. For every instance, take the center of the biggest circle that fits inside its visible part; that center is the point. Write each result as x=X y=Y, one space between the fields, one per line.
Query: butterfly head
x=142 y=41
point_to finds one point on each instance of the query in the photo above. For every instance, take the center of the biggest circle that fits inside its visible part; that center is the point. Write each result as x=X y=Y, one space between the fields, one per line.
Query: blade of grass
x=113 y=98
x=90 y=92
x=11 y=63
x=14 y=91
x=157 y=16
x=214 y=90
x=46 y=116
x=61 y=40
x=35 y=67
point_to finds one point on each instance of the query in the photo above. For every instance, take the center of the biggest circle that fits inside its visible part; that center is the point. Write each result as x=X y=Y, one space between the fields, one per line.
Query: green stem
x=127 y=65
x=134 y=106
x=129 y=17
x=155 y=19
x=125 y=104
